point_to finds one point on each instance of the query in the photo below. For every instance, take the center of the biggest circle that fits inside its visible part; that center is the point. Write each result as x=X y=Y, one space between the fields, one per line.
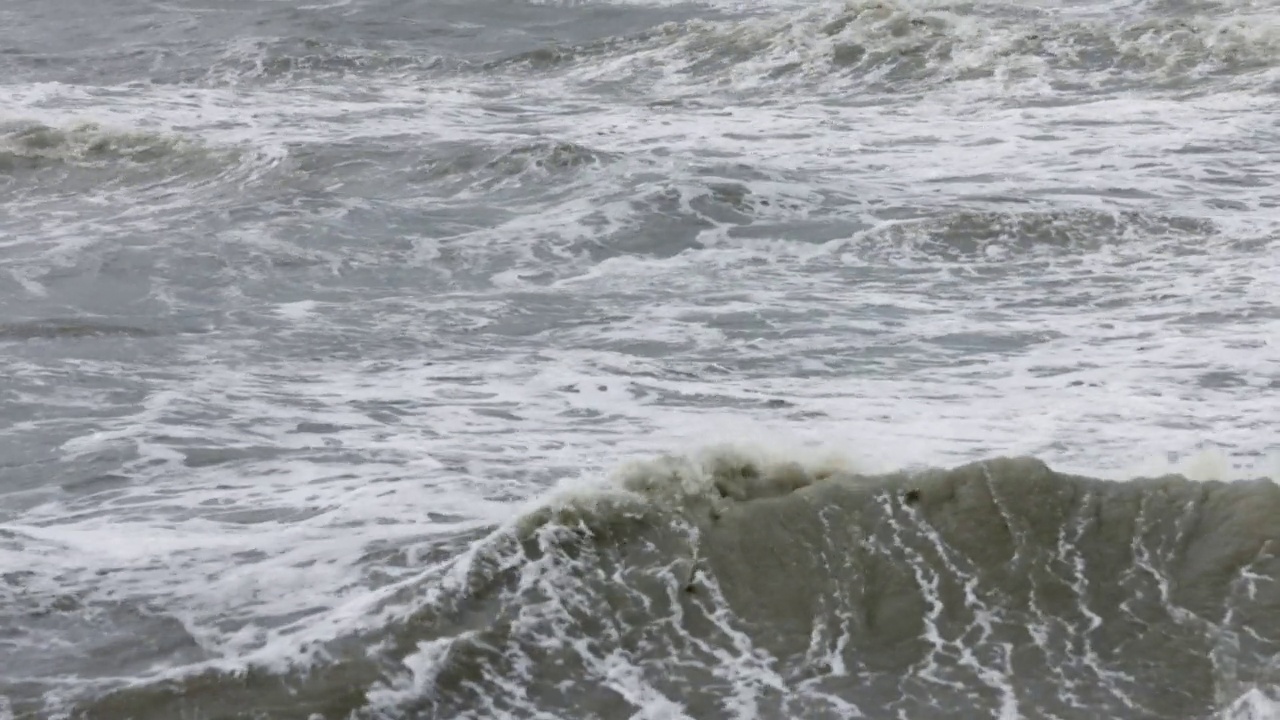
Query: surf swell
x=879 y=45
x=728 y=586
x=869 y=45
x=970 y=236
x=32 y=146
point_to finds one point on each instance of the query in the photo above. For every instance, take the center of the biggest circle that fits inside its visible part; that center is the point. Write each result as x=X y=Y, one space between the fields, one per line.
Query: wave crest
x=892 y=45
x=970 y=235
x=31 y=146
x=734 y=584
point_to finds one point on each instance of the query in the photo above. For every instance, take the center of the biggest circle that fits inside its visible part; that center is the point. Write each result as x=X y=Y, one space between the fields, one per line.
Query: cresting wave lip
x=730 y=585
x=31 y=146
x=490 y=165
x=970 y=234
x=894 y=44
x=275 y=60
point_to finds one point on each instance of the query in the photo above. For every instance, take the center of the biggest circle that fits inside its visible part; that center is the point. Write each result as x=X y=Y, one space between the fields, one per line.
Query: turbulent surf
x=385 y=360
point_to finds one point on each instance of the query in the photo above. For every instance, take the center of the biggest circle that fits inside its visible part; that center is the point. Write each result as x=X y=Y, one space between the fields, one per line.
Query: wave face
x=729 y=587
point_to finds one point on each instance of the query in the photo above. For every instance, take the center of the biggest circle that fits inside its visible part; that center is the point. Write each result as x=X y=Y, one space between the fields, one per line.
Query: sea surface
x=639 y=359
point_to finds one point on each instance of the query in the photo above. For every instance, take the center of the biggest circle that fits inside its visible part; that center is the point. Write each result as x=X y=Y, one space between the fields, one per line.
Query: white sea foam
x=257 y=486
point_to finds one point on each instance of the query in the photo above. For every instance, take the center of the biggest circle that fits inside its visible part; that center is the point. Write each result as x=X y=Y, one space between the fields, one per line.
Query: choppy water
x=535 y=359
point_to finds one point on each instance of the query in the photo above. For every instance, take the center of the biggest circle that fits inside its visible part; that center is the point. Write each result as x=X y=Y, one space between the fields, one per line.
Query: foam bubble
x=1254 y=704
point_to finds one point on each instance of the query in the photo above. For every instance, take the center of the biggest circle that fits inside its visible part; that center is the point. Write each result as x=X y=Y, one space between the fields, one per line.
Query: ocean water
x=639 y=359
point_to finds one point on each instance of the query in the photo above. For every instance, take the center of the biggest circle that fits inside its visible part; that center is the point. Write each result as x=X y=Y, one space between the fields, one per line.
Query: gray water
x=310 y=315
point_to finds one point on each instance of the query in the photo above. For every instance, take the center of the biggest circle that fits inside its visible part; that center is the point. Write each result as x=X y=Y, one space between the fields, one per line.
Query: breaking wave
x=866 y=45
x=292 y=59
x=885 y=45
x=484 y=167
x=28 y=147
x=975 y=235
x=732 y=585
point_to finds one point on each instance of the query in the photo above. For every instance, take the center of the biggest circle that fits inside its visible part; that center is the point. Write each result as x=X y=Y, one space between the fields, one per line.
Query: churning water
x=639 y=358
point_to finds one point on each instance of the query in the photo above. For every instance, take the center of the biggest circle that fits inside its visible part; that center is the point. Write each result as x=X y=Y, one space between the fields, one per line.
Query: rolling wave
x=297 y=59
x=867 y=45
x=31 y=146
x=879 y=45
x=731 y=585
x=473 y=167
x=969 y=235
x=86 y=157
